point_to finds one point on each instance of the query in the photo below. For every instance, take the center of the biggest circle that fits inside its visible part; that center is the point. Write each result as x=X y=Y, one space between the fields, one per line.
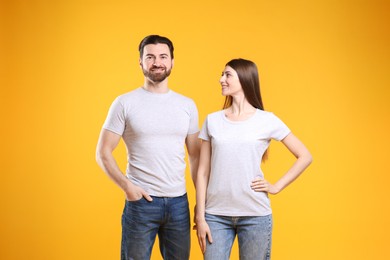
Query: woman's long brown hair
x=249 y=79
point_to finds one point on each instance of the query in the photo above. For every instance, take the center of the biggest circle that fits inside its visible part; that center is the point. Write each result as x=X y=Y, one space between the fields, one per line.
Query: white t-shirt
x=237 y=150
x=154 y=128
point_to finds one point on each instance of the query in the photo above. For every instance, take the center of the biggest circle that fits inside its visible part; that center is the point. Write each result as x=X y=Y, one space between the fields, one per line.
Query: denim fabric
x=166 y=217
x=254 y=237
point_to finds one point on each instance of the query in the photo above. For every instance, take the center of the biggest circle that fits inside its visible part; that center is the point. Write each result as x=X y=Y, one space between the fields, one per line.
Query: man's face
x=156 y=62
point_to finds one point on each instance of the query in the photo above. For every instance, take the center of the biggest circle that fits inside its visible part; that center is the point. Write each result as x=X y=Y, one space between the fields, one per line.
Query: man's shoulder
x=129 y=95
x=182 y=97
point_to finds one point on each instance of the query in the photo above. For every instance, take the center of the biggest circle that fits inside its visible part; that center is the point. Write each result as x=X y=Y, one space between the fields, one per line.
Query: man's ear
x=173 y=62
x=140 y=62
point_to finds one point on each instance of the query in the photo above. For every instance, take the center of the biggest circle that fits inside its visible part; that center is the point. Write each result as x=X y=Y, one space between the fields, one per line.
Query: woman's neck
x=240 y=109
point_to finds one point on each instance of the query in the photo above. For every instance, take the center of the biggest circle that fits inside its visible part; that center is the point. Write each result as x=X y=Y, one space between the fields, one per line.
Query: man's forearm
x=108 y=163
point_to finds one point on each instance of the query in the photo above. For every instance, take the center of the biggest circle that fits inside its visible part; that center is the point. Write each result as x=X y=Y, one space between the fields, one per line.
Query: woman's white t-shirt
x=237 y=150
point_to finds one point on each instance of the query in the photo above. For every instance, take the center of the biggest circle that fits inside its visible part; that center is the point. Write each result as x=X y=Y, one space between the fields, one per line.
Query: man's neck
x=156 y=87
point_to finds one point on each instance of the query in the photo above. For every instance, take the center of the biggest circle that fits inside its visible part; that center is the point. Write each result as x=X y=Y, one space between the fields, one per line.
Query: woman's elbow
x=308 y=158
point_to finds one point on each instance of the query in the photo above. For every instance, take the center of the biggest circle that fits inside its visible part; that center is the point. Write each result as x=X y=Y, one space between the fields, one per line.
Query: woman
x=231 y=191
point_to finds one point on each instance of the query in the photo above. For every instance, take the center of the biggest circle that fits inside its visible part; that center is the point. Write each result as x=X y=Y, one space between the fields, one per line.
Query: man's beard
x=156 y=77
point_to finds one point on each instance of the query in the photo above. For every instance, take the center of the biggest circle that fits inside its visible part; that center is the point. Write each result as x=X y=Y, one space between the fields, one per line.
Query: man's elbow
x=100 y=157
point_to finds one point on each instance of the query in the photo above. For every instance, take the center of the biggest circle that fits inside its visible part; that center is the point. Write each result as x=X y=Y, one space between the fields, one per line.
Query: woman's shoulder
x=265 y=114
x=215 y=115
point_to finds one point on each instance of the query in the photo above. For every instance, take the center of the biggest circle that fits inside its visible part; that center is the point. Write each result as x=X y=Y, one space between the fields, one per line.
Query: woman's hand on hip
x=262 y=185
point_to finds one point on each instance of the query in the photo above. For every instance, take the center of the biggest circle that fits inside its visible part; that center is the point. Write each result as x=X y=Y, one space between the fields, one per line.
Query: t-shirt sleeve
x=279 y=129
x=204 y=133
x=115 y=121
x=194 y=119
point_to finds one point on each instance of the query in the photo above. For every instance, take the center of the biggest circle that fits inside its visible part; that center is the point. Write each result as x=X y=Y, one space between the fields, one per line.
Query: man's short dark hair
x=155 y=39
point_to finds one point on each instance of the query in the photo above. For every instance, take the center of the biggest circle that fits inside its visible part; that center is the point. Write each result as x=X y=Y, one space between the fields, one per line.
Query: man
x=155 y=124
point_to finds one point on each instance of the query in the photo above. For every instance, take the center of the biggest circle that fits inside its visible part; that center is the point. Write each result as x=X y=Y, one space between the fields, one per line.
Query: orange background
x=324 y=69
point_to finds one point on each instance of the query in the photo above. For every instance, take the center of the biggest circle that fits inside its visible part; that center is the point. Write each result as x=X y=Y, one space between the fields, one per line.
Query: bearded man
x=156 y=125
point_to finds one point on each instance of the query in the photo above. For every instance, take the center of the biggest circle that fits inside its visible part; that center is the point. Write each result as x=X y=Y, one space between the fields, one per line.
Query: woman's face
x=230 y=82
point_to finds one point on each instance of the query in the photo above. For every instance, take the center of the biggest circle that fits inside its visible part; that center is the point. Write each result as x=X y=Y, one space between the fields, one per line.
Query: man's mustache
x=158 y=67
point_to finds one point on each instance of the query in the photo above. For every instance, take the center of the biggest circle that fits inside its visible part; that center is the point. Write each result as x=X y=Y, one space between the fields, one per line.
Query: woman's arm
x=202 y=180
x=304 y=159
x=193 y=149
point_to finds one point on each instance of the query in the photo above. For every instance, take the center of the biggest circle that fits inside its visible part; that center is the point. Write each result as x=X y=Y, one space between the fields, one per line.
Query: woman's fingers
x=203 y=234
x=209 y=236
x=260 y=185
x=202 y=243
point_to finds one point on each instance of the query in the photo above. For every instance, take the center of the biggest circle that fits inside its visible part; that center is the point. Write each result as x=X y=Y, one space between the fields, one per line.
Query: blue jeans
x=169 y=218
x=254 y=237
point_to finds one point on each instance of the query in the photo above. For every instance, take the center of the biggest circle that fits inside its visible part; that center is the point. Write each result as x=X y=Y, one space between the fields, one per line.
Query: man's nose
x=156 y=61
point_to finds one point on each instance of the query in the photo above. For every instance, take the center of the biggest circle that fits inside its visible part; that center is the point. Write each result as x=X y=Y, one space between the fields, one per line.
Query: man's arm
x=107 y=143
x=193 y=149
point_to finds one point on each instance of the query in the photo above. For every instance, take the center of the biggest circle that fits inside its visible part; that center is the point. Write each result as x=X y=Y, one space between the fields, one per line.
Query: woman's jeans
x=254 y=237
x=143 y=220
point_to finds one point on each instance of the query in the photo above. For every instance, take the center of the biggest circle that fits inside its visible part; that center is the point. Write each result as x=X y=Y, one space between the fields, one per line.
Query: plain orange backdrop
x=324 y=68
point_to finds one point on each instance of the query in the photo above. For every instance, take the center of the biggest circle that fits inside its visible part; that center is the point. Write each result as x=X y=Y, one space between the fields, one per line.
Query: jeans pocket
x=135 y=201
